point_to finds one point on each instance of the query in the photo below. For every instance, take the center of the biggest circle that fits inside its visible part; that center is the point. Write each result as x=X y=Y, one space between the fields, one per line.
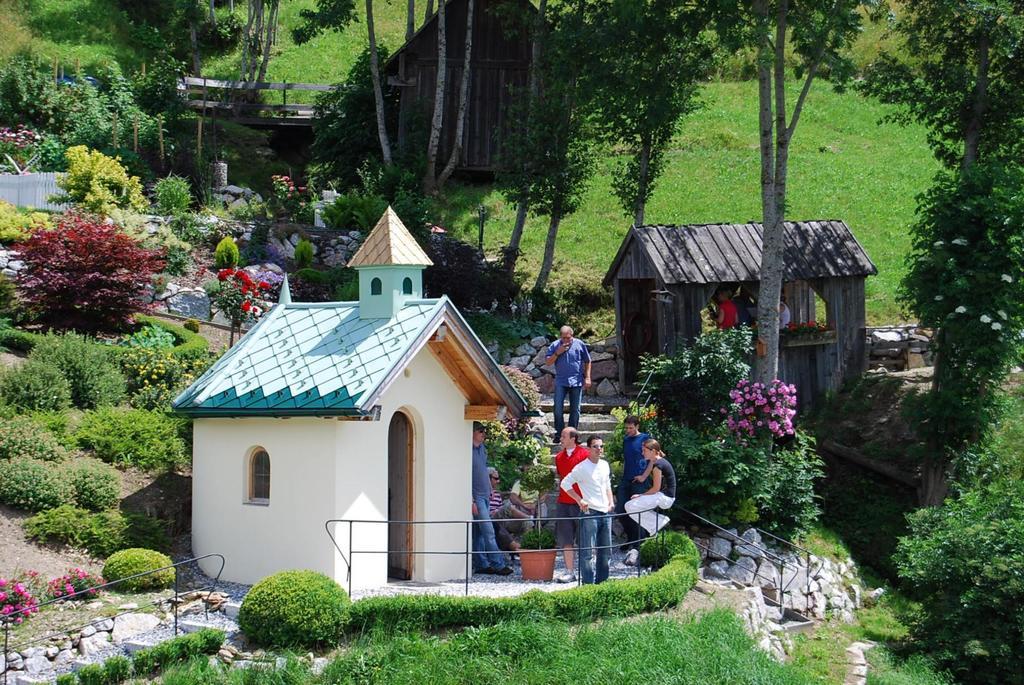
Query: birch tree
x=818 y=32
x=437 y=119
x=460 y=121
x=258 y=38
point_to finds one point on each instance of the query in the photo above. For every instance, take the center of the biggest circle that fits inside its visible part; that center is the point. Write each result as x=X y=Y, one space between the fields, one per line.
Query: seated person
x=496 y=505
x=746 y=308
x=784 y=315
x=724 y=309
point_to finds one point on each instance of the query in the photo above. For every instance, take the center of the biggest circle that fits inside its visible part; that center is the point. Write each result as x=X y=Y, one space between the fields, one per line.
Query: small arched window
x=407 y=286
x=375 y=286
x=259 y=477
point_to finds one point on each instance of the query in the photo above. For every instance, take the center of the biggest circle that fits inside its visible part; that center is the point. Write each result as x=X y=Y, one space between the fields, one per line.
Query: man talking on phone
x=572 y=376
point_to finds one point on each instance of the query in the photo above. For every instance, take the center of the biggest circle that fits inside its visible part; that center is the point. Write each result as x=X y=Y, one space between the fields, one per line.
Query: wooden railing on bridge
x=237 y=100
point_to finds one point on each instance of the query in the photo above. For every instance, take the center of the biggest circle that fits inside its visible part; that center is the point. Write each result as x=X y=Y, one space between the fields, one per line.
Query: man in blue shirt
x=635 y=471
x=572 y=376
x=488 y=558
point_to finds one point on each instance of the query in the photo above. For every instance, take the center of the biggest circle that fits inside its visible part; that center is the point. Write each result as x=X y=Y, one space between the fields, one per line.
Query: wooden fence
x=236 y=100
x=30 y=190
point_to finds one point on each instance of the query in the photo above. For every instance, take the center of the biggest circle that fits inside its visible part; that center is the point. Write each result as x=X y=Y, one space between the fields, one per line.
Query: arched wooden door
x=400 y=538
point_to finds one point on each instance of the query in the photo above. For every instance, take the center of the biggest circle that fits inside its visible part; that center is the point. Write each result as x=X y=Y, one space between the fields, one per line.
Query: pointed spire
x=285 y=296
x=390 y=244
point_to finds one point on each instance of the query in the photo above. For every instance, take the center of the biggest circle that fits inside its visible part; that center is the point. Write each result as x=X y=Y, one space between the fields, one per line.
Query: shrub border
x=188 y=345
x=656 y=591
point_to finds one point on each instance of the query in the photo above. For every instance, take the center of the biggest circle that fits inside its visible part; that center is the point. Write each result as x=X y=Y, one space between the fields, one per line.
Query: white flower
x=959 y=241
x=938 y=243
x=997 y=326
x=961 y=309
x=939 y=298
x=1006 y=277
x=985 y=318
x=1002 y=314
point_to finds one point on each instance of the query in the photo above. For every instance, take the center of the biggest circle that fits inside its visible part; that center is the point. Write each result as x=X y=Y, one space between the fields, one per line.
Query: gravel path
x=481 y=585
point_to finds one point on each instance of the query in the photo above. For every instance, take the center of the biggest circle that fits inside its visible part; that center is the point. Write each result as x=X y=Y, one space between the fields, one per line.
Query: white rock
x=106 y=625
x=607 y=388
x=886 y=336
x=526 y=349
x=51 y=652
x=601 y=356
x=718 y=569
x=519 y=362
x=130 y=625
x=26 y=679
x=743 y=571
x=37 y=665
x=749 y=551
x=539 y=342
x=93 y=644
x=88 y=631
x=719 y=548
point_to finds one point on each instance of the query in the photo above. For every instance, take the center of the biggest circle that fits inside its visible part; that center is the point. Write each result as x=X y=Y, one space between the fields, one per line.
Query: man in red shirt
x=567 y=509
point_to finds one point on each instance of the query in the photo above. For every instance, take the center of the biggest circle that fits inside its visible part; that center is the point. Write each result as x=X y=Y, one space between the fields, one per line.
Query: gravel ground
x=482 y=585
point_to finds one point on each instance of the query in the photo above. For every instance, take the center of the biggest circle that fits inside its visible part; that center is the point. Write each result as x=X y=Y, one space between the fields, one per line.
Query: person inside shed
x=724 y=309
x=746 y=307
x=784 y=314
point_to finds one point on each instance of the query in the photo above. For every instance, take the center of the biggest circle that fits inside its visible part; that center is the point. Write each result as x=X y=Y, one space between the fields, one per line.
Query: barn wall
x=499 y=66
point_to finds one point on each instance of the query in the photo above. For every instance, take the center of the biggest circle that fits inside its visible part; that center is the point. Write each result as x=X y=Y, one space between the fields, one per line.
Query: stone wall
x=810 y=585
x=529 y=357
x=898 y=348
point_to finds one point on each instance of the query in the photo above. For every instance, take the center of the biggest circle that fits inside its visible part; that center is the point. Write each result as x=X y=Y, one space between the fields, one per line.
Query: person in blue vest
x=635 y=471
x=572 y=376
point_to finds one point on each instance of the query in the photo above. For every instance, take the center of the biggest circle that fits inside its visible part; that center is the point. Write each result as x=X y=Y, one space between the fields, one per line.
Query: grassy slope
x=844 y=165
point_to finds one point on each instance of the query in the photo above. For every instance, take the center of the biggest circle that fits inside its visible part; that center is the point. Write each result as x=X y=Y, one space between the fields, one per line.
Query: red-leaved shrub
x=85 y=274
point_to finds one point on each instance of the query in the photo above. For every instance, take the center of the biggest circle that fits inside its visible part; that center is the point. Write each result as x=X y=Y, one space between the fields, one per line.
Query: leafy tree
x=85 y=274
x=966 y=279
x=958 y=70
x=817 y=32
x=652 y=56
x=965 y=561
x=258 y=38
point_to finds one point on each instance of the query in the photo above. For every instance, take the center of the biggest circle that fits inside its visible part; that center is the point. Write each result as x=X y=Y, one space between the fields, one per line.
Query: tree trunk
x=972 y=136
x=193 y=36
x=642 y=181
x=253 y=27
x=460 y=122
x=378 y=93
x=512 y=249
x=410 y=19
x=436 y=121
x=268 y=41
x=934 y=483
x=549 y=249
x=213 y=15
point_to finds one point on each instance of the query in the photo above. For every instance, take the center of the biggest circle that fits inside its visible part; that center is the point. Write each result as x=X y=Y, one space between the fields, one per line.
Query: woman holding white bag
x=661 y=495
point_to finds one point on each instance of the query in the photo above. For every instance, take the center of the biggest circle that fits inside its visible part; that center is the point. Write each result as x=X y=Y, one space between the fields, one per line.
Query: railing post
x=468 y=558
x=350 y=559
x=175 y=602
x=7 y=643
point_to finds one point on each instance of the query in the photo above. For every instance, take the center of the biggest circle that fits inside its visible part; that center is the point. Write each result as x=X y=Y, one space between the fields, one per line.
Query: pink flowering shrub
x=758 y=409
x=290 y=201
x=16 y=601
x=75 y=581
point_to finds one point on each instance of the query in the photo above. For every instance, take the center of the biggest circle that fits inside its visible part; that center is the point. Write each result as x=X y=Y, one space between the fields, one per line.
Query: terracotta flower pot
x=537 y=564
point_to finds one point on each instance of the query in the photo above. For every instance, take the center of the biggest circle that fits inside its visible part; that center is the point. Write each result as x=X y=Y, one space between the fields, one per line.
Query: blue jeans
x=595 y=531
x=575 y=394
x=485 y=546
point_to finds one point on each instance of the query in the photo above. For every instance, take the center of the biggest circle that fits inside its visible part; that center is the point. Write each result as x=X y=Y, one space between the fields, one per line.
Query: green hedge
x=295 y=609
x=189 y=344
x=659 y=590
x=101 y=533
x=136 y=560
x=177 y=650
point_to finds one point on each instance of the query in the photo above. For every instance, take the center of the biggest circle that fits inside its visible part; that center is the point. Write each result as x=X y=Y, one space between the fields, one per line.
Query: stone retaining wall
x=529 y=357
x=898 y=348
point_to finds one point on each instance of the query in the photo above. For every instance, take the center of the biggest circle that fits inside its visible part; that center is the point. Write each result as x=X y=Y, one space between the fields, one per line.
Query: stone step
x=589 y=422
x=604 y=435
x=590 y=405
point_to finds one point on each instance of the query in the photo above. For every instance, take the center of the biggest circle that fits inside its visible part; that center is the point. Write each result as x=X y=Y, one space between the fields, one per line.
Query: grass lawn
x=844 y=165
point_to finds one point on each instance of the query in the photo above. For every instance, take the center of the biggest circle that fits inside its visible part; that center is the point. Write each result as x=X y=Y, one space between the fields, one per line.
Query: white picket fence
x=30 y=190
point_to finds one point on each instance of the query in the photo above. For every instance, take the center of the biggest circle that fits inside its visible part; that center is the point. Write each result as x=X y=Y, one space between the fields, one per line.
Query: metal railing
x=468 y=552
x=8 y=621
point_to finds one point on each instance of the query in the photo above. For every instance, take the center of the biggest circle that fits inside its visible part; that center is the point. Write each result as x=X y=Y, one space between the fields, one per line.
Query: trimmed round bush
x=33 y=485
x=96 y=485
x=129 y=562
x=295 y=609
x=655 y=551
x=35 y=386
x=21 y=436
x=225 y=256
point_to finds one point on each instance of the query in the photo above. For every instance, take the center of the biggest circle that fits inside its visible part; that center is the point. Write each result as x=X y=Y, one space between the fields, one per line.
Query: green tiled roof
x=310 y=359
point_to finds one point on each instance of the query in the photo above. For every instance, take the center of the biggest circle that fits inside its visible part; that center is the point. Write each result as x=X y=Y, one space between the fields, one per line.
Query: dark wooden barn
x=665 y=276
x=499 y=67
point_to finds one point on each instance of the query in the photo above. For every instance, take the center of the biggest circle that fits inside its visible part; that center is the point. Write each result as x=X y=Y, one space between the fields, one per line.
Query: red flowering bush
x=808 y=329
x=72 y=583
x=16 y=601
x=85 y=274
x=291 y=201
x=239 y=296
x=759 y=409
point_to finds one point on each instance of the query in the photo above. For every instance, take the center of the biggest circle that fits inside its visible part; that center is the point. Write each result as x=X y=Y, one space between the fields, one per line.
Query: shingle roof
x=390 y=243
x=726 y=253
x=309 y=359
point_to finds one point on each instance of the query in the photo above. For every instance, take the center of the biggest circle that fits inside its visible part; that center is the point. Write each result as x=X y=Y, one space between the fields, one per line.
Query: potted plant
x=537 y=554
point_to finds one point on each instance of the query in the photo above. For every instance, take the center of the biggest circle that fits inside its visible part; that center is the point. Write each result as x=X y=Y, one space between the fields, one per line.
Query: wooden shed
x=665 y=276
x=499 y=68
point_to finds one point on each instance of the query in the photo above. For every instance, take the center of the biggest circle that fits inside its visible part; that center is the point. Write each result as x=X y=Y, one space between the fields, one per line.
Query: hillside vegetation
x=844 y=164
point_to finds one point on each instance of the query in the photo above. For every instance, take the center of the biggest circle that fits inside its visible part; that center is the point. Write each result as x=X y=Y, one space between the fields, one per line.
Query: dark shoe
x=486 y=571
x=503 y=571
